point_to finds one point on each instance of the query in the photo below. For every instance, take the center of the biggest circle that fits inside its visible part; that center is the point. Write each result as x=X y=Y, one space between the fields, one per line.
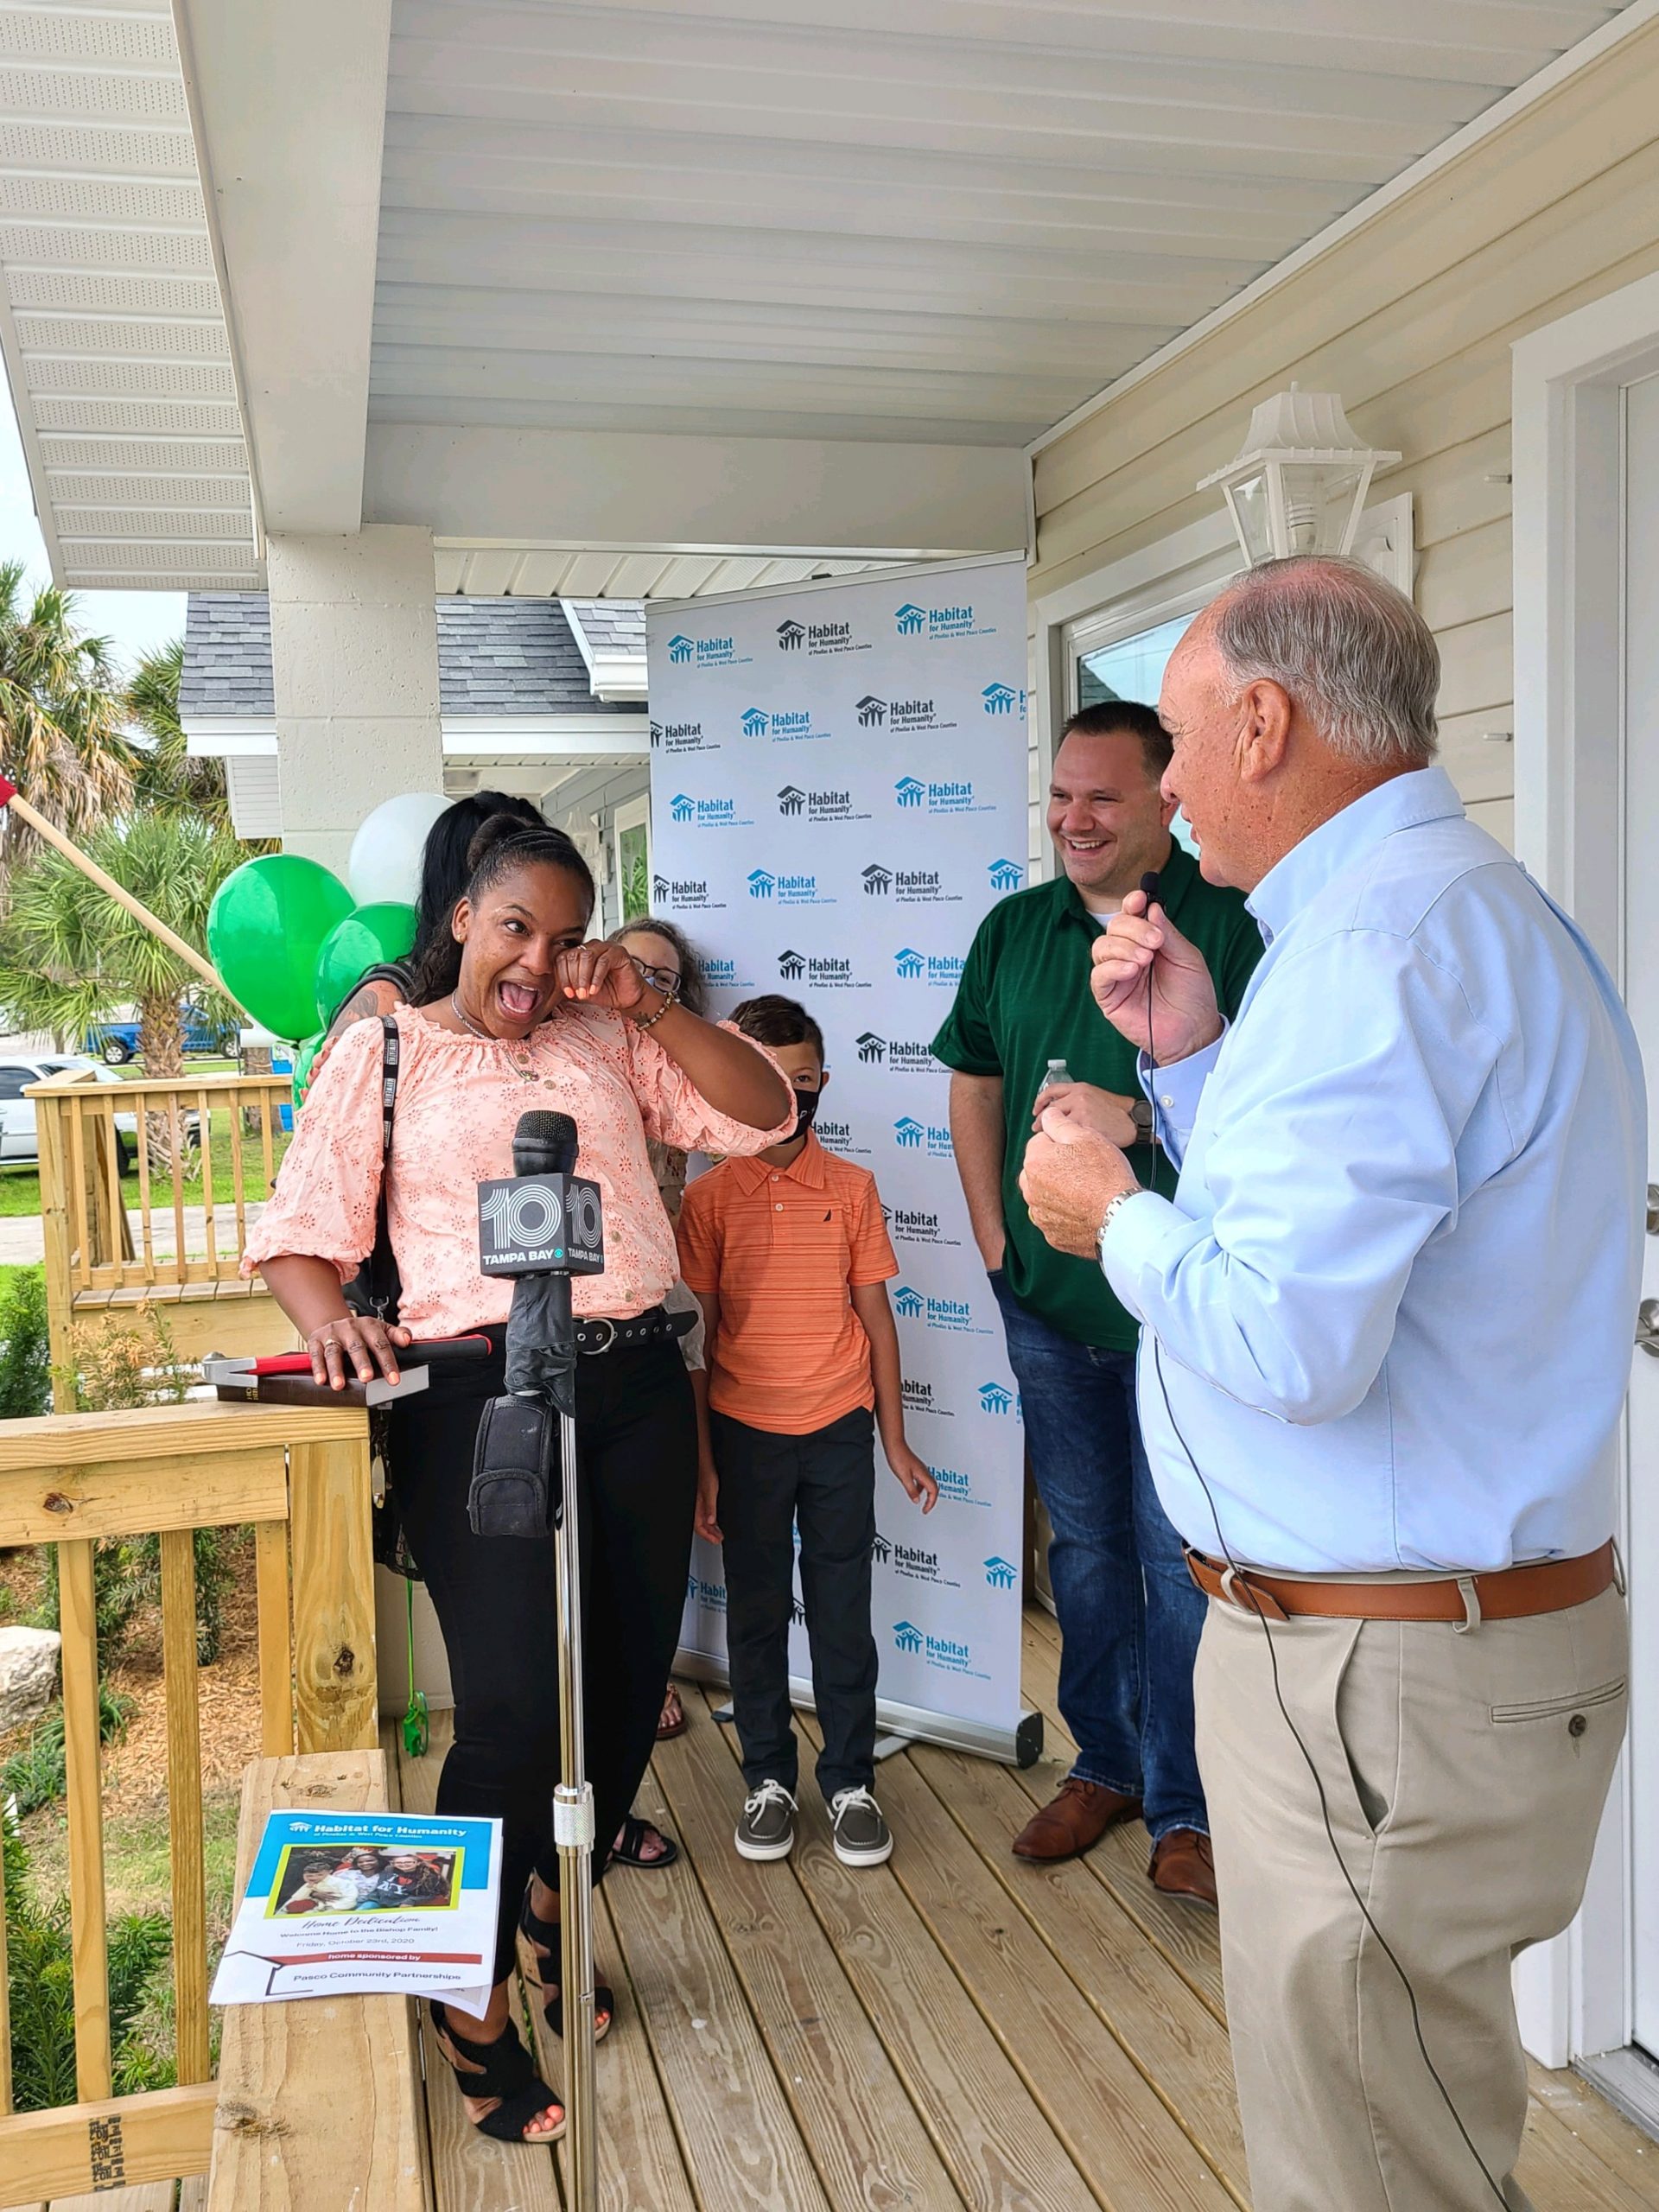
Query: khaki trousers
x=1464 y=1775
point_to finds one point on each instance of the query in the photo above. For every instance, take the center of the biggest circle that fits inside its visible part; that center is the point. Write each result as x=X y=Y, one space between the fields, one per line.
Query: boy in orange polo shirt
x=789 y=1254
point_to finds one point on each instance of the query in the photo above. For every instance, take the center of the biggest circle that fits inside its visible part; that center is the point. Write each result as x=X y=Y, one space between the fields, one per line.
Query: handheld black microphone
x=1152 y=883
x=540 y=1226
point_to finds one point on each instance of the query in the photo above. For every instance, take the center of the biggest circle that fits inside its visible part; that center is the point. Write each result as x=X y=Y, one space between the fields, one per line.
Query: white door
x=1641 y=628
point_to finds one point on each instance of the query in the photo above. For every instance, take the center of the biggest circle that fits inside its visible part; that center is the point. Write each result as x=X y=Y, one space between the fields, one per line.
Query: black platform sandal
x=544 y=1936
x=505 y=2070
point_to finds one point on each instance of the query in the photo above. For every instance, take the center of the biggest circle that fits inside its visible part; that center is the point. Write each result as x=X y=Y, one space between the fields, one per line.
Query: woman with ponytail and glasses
x=513 y=1008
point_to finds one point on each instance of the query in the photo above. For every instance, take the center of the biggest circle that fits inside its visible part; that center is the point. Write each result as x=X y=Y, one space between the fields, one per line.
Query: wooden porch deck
x=953 y=2031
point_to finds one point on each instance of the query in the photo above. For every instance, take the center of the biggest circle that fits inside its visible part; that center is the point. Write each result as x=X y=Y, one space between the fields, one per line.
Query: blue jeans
x=1130 y=1617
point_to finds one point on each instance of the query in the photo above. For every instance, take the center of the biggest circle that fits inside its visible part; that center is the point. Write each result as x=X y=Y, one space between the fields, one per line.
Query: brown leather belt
x=1514 y=1593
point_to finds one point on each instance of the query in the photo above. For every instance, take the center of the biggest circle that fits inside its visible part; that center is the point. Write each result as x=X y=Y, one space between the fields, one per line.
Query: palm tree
x=62 y=739
x=165 y=775
x=69 y=953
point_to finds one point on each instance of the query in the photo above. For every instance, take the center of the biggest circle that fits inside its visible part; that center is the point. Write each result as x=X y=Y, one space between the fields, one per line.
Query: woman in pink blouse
x=513 y=1010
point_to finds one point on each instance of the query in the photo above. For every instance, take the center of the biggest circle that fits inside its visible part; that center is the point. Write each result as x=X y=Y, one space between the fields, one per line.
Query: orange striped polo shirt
x=781 y=1247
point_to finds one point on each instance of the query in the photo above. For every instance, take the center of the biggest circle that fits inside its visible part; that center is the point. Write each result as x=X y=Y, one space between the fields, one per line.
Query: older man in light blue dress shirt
x=1387 y=1323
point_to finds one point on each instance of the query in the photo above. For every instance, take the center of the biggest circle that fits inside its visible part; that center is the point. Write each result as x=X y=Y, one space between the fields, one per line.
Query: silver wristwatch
x=1110 y=1215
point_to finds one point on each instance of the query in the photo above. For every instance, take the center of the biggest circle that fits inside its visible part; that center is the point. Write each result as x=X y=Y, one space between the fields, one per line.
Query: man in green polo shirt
x=1129 y=1615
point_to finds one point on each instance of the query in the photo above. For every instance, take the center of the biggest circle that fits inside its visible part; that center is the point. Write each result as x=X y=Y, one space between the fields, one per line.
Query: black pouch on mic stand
x=517 y=1479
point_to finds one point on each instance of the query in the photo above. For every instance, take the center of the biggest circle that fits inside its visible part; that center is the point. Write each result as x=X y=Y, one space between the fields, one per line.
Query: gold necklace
x=517 y=1053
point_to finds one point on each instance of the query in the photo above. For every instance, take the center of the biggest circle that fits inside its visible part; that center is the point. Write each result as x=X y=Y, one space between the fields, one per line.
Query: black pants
x=637 y=1453
x=825 y=1483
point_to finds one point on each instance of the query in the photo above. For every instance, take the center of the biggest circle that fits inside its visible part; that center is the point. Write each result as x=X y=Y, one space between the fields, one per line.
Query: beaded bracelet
x=669 y=999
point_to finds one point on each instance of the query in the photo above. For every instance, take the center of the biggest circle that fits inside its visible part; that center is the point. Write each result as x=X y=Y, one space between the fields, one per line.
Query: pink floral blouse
x=459 y=1100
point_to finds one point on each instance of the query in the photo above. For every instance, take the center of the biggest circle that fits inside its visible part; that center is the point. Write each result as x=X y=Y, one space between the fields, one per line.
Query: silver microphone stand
x=573 y=1833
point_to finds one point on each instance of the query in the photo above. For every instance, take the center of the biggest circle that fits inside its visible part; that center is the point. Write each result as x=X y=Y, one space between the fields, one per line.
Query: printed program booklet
x=343 y=1903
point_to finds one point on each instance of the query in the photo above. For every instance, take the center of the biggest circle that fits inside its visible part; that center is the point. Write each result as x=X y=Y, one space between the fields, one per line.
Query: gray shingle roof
x=495 y=656
x=227 y=657
x=613 y=624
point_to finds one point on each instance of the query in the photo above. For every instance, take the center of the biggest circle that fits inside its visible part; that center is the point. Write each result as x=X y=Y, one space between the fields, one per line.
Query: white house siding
x=1410 y=317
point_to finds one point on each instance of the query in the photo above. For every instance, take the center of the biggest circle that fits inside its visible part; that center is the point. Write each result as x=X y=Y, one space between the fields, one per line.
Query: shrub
x=43 y=1991
x=35 y=1776
x=25 y=1358
x=118 y=1365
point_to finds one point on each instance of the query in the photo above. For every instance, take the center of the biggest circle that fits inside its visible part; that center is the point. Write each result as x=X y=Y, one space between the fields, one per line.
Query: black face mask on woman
x=806 y=1107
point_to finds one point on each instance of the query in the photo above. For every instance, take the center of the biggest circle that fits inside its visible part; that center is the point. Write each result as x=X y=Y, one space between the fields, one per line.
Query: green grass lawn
x=19 y=1186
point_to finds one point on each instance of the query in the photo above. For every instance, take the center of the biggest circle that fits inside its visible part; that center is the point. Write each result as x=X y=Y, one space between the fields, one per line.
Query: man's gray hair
x=1353 y=654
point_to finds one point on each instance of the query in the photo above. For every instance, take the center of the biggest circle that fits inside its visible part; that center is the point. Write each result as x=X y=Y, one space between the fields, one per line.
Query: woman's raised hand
x=603 y=975
x=369 y=1345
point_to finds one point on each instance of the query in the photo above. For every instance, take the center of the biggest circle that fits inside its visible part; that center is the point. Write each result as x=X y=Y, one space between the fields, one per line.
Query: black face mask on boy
x=806 y=1107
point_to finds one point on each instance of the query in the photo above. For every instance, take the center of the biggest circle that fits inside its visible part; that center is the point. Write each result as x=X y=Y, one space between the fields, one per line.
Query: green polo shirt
x=1024 y=1000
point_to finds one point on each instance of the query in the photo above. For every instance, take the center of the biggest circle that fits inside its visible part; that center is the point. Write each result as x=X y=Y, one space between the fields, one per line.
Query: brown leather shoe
x=1075 y=1821
x=1184 y=1866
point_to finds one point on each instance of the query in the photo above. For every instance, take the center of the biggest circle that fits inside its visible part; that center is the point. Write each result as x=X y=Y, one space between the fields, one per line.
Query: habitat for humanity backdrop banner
x=838 y=795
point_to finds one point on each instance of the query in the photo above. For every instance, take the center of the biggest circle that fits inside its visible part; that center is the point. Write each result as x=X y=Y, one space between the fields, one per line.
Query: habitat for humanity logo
x=909 y=887
x=936 y=967
x=710 y=1594
x=912 y=1135
x=995 y=1398
x=837 y=1136
x=817 y=806
x=819 y=638
x=915 y=1225
x=1000 y=1574
x=790 y=890
x=903 y=716
x=913 y=621
x=1002 y=699
x=783 y=725
x=956 y=1485
x=945 y=1653
x=824 y=971
x=723 y=975
x=704 y=653
x=684 y=892
x=918 y=1398
x=955 y=796
x=681 y=737
x=1006 y=875
x=953 y=1315
x=707 y=813
x=901 y=1055
x=917 y=1565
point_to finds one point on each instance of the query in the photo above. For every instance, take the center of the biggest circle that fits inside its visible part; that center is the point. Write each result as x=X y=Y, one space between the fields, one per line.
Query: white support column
x=354 y=661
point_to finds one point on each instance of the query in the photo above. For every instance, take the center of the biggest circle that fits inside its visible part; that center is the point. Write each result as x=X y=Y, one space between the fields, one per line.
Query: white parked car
x=18 y=1137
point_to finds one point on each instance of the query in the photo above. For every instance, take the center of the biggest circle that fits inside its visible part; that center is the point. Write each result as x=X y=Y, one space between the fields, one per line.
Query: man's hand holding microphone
x=1154 y=988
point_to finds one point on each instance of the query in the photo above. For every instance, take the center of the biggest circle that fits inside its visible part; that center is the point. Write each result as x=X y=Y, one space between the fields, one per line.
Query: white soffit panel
x=951 y=220
x=110 y=318
x=571 y=573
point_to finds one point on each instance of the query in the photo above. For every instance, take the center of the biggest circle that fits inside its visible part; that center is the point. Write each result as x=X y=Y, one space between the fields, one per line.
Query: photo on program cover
x=348 y=1877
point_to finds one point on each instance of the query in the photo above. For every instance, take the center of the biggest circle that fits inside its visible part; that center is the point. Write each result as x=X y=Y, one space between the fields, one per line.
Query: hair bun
x=496 y=830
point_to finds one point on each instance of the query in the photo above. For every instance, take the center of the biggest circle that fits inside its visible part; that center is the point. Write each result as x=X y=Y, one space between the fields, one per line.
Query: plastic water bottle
x=1057 y=1073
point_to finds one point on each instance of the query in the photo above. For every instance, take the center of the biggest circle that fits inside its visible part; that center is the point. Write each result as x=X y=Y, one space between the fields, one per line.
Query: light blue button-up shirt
x=1388 y=1314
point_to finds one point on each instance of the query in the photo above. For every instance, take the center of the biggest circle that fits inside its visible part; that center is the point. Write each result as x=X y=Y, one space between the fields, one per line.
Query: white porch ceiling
x=110 y=318
x=478 y=572
x=954 y=220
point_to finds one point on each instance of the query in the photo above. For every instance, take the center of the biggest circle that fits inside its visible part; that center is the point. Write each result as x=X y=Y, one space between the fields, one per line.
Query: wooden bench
x=320 y=2100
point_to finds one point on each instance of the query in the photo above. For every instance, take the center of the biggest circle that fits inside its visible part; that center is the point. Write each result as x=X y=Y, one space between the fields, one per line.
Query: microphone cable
x=1150 y=886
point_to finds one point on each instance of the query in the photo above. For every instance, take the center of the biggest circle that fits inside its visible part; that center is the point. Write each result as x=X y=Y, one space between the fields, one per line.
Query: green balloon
x=266 y=928
x=367 y=936
x=302 y=1059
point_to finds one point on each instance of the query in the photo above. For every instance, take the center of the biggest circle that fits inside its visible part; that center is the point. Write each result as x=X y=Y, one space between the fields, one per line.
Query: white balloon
x=386 y=858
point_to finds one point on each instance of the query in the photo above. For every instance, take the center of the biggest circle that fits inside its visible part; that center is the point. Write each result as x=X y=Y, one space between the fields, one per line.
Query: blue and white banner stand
x=838 y=795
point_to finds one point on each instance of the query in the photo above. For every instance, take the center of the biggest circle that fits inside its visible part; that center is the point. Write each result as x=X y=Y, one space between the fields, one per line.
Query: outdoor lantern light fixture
x=1299 y=484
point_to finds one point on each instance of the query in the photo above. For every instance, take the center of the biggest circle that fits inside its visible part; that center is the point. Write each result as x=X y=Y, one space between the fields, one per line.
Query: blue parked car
x=117 y=1038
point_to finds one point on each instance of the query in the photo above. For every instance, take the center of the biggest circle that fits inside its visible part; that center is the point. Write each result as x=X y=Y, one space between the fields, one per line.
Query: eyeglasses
x=666 y=980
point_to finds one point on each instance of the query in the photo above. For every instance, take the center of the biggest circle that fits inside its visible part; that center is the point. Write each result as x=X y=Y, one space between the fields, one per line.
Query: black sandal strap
x=604 y=2001
x=546 y=1934
x=507 y=2071
x=628 y=1847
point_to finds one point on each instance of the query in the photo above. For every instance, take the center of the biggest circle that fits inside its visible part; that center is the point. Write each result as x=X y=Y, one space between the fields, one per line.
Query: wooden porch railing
x=301 y=1477
x=184 y=1256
